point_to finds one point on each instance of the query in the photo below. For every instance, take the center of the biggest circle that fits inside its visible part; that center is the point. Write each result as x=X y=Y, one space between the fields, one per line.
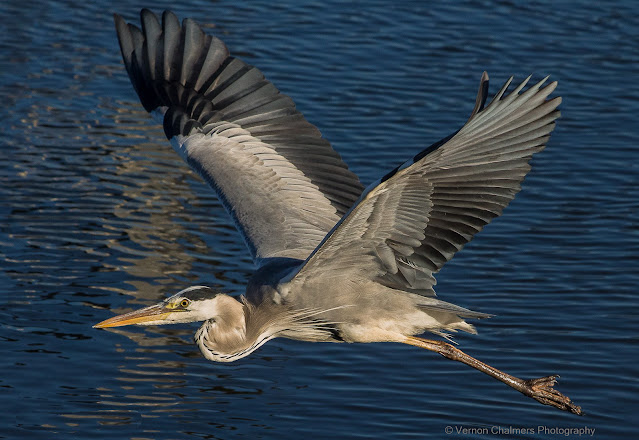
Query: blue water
x=98 y=215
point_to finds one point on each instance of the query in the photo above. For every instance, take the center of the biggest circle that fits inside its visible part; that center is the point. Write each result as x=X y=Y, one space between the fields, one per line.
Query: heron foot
x=541 y=389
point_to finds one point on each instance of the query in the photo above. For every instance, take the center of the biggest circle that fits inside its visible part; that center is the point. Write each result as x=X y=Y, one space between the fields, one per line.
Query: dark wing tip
x=482 y=94
x=120 y=24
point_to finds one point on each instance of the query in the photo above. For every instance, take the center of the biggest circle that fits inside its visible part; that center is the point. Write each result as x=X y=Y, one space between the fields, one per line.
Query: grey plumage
x=411 y=222
x=225 y=119
x=336 y=262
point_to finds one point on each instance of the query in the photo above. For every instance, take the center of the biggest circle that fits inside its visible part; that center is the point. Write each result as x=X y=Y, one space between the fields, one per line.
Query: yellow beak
x=147 y=315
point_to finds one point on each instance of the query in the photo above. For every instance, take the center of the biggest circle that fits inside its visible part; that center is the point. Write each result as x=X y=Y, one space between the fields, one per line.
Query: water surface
x=98 y=215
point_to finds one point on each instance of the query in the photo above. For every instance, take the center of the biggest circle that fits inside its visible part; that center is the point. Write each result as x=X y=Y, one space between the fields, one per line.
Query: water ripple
x=98 y=215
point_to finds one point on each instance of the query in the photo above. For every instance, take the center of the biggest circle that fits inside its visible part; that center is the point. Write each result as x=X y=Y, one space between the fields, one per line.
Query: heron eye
x=185 y=303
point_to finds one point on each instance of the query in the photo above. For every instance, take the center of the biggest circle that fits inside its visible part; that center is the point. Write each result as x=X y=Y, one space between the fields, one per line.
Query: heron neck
x=244 y=327
x=235 y=333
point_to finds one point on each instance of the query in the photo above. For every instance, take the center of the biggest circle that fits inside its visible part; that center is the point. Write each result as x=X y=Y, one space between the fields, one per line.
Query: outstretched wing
x=282 y=183
x=413 y=220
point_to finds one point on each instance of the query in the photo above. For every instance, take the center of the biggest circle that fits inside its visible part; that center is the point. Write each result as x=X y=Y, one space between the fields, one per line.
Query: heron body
x=335 y=261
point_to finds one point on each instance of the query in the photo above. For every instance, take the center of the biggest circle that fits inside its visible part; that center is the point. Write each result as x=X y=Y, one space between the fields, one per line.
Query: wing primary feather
x=221 y=114
x=482 y=94
x=172 y=43
x=270 y=166
x=419 y=215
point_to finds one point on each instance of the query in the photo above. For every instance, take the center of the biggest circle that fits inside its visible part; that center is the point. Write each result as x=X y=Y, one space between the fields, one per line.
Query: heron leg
x=540 y=389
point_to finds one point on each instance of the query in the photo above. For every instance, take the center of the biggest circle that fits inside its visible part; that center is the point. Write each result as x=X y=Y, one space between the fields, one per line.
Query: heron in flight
x=335 y=261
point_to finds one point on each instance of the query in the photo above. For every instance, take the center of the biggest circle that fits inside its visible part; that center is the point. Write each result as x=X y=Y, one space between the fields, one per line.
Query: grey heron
x=334 y=261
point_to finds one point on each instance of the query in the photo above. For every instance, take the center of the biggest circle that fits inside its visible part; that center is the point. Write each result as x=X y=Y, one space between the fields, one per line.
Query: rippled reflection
x=99 y=216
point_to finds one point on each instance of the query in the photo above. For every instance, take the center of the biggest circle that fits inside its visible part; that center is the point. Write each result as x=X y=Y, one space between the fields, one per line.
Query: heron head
x=197 y=303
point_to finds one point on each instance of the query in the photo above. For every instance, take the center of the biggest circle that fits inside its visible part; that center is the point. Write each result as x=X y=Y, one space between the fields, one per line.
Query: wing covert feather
x=408 y=224
x=282 y=183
